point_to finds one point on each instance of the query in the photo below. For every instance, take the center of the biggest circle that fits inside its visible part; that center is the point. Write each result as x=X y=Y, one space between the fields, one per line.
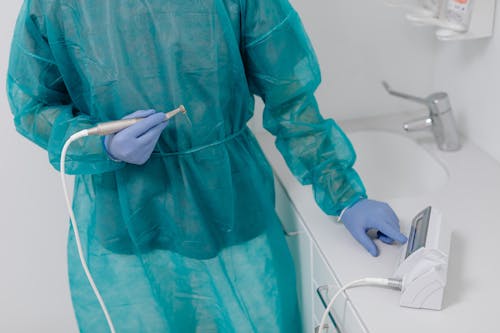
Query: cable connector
x=395 y=284
x=391 y=283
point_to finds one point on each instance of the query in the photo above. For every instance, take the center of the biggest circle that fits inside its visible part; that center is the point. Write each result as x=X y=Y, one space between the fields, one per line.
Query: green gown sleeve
x=283 y=70
x=42 y=108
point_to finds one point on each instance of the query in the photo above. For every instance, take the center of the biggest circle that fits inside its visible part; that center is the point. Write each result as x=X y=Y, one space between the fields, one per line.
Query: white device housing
x=423 y=270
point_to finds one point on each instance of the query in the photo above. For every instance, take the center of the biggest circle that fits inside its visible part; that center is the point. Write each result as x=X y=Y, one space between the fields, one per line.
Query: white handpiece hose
x=391 y=283
x=73 y=138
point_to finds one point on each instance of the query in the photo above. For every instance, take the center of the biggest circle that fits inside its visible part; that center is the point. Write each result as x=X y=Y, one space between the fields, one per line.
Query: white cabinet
x=299 y=243
x=311 y=274
x=314 y=275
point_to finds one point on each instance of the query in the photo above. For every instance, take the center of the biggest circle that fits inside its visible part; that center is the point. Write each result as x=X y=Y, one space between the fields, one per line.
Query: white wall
x=360 y=43
x=34 y=292
x=470 y=72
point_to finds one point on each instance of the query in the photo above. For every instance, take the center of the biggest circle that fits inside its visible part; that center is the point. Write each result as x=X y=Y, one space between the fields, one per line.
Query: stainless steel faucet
x=440 y=119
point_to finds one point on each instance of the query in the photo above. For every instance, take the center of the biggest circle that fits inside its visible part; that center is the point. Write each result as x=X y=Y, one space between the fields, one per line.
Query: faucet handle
x=437 y=103
x=404 y=95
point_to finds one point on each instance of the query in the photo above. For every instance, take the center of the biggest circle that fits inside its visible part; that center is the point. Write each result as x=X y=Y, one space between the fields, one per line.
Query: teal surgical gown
x=190 y=241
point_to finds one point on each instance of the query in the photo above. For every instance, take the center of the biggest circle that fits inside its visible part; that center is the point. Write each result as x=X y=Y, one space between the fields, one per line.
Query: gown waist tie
x=198 y=148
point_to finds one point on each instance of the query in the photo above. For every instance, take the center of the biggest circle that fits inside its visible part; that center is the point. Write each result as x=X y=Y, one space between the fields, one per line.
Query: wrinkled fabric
x=189 y=241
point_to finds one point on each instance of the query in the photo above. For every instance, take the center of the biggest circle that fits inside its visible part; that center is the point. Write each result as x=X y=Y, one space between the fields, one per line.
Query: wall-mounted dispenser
x=453 y=19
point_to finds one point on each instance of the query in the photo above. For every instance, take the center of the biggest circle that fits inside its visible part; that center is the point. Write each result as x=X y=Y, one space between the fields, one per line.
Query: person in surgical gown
x=189 y=241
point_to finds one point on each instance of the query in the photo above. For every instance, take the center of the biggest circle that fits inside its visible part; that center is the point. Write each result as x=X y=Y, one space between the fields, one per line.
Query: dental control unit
x=423 y=266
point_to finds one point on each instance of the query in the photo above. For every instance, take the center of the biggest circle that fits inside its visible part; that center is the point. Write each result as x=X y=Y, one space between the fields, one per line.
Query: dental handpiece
x=111 y=127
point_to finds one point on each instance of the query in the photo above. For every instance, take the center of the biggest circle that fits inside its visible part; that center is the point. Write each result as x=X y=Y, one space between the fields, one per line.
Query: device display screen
x=418 y=232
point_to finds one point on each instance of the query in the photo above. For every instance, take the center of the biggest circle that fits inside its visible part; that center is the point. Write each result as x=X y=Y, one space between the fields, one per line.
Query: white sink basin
x=393 y=166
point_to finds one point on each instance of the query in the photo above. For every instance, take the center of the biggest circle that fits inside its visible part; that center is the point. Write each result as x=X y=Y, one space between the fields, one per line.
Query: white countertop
x=470 y=202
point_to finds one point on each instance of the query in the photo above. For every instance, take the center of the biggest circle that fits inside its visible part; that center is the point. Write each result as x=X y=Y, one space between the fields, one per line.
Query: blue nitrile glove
x=135 y=144
x=369 y=214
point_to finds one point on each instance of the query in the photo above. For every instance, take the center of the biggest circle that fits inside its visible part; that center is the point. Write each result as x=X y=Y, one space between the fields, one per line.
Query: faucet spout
x=418 y=124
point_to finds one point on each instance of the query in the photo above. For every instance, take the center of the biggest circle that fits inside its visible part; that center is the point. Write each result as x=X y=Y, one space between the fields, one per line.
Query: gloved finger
x=367 y=243
x=384 y=238
x=144 y=125
x=154 y=133
x=107 y=142
x=393 y=233
x=388 y=214
x=140 y=114
x=392 y=218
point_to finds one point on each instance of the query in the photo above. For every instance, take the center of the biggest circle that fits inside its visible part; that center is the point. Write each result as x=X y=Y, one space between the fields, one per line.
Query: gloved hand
x=370 y=214
x=135 y=144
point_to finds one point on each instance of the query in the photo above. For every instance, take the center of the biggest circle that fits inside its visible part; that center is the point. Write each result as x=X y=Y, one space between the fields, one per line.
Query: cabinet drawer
x=321 y=271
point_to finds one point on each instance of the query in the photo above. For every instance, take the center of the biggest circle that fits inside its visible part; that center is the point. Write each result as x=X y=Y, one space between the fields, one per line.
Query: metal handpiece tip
x=180 y=109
